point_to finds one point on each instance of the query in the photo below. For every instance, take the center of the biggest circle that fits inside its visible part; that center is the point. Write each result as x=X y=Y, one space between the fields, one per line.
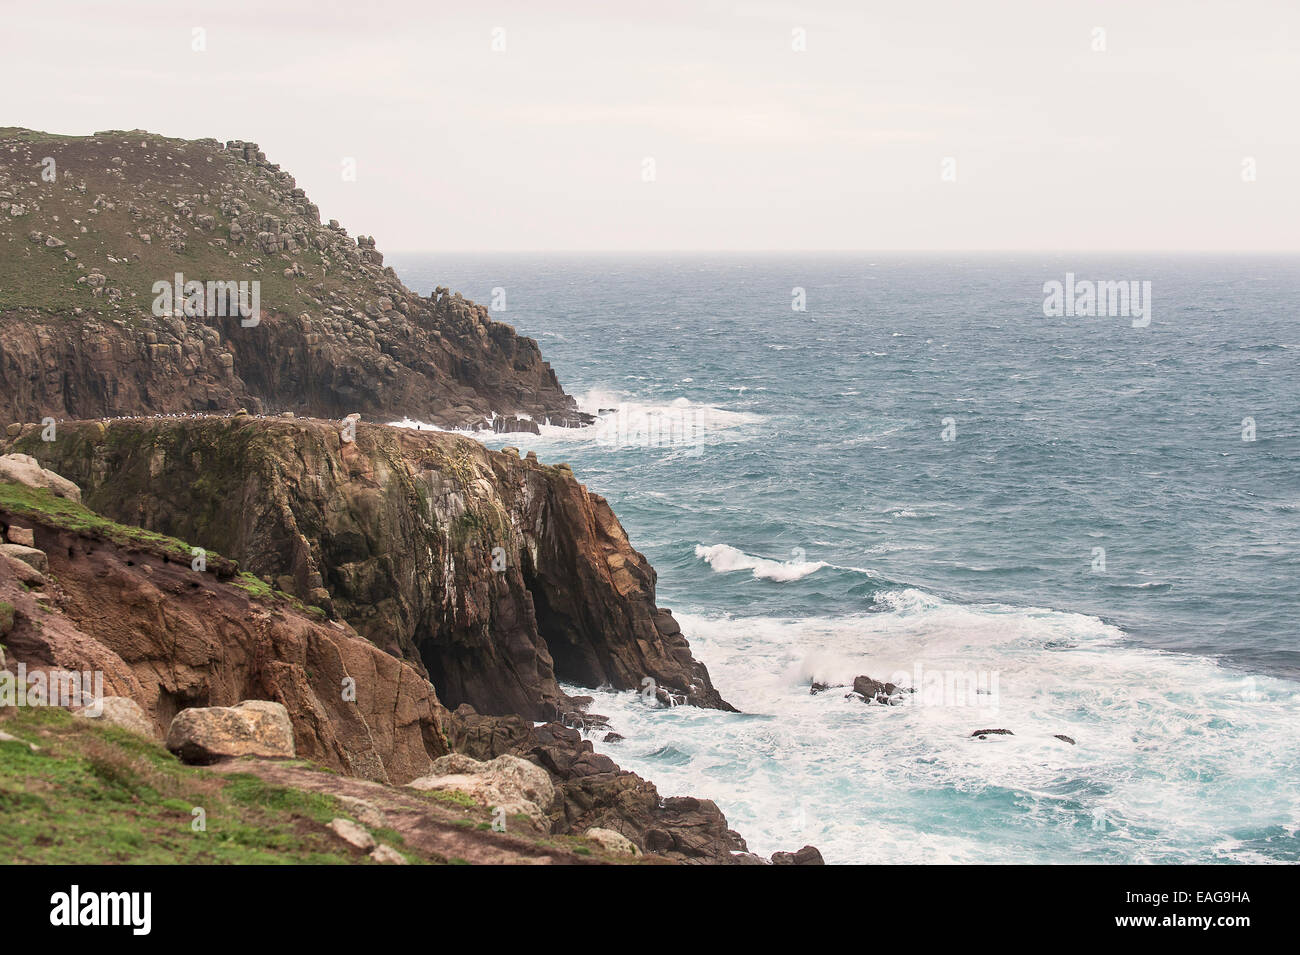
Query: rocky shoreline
x=194 y=506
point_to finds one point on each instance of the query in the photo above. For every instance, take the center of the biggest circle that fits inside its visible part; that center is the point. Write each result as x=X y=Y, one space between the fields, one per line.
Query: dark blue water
x=1096 y=525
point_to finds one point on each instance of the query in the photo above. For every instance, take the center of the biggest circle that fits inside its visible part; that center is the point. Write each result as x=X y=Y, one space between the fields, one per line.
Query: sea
x=1081 y=528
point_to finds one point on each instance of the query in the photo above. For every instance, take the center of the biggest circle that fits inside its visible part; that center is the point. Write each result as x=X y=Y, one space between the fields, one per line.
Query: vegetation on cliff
x=89 y=224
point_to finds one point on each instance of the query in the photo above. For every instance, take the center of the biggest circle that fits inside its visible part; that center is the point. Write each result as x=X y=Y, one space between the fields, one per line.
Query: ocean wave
x=726 y=559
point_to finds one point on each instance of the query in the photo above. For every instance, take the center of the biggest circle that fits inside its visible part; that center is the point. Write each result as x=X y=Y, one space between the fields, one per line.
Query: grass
x=98 y=794
x=42 y=504
x=62 y=512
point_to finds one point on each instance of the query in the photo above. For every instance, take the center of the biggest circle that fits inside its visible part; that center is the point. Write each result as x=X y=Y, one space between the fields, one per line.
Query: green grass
x=42 y=504
x=98 y=794
x=95 y=794
x=453 y=796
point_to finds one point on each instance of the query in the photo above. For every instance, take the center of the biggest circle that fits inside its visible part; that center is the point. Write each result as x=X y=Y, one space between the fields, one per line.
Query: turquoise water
x=1096 y=545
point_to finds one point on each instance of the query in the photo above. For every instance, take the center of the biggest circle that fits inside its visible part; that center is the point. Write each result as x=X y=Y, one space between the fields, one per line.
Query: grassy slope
x=33 y=276
x=99 y=794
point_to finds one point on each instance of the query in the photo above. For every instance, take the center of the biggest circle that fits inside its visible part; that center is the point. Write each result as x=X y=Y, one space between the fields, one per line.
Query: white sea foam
x=624 y=422
x=725 y=559
x=1177 y=759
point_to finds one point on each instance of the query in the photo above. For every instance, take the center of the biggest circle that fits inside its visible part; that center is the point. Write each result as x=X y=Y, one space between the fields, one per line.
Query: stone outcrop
x=205 y=734
x=494 y=576
x=506 y=783
x=874 y=691
x=83 y=333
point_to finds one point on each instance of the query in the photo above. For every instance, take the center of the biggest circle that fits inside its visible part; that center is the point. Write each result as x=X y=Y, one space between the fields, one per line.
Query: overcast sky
x=755 y=144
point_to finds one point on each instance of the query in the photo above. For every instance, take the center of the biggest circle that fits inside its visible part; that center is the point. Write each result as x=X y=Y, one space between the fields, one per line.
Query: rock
x=808 y=855
x=873 y=691
x=387 y=855
x=204 y=735
x=1062 y=736
x=31 y=556
x=119 y=711
x=510 y=424
x=369 y=814
x=21 y=535
x=14 y=429
x=613 y=738
x=506 y=782
x=22 y=570
x=486 y=737
x=25 y=469
x=985 y=734
x=612 y=841
x=351 y=833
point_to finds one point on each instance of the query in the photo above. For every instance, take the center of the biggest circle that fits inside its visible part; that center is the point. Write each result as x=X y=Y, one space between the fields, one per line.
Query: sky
x=1134 y=125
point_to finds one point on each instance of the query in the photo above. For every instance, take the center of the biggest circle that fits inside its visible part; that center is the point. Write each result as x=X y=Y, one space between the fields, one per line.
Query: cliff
x=89 y=224
x=87 y=594
x=496 y=577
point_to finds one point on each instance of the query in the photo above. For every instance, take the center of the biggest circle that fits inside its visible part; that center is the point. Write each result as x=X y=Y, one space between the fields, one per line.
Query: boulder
x=506 y=782
x=808 y=855
x=252 y=728
x=873 y=691
x=351 y=833
x=21 y=535
x=25 y=469
x=612 y=841
x=118 y=711
x=387 y=855
x=31 y=556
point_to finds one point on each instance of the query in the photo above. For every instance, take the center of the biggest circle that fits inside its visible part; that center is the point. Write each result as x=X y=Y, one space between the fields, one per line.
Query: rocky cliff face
x=495 y=576
x=83 y=594
x=170 y=637
x=88 y=225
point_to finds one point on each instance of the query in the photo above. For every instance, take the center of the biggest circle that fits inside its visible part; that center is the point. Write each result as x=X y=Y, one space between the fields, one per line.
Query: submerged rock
x=873 y=691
